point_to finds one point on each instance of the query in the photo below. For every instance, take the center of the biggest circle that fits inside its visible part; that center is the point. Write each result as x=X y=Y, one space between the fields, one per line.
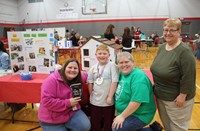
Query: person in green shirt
x=134 y=99
x=174 y=74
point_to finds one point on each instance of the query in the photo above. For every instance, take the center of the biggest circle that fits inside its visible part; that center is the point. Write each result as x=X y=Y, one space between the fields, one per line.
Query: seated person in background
x=59 y=106
x=4 y=58
x=127 y=40
x=75 y=38
x=134 y=99
x=155 y=38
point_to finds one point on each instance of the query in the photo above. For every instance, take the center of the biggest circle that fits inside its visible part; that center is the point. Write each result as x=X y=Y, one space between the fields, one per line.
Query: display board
x=31 y=51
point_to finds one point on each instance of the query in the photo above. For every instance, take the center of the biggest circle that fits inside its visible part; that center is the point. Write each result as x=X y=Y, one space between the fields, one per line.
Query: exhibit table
x=15 y=90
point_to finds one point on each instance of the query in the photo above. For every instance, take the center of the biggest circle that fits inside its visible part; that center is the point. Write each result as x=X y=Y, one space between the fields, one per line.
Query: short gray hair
x=126 y=54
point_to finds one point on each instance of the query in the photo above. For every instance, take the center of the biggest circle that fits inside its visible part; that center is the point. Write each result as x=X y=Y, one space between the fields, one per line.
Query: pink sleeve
x=84 y=76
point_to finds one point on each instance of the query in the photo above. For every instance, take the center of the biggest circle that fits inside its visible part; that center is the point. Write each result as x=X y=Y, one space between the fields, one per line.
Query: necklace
x=99 y=79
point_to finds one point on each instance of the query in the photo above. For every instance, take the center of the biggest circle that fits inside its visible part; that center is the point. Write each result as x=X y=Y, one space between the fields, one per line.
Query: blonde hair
x=103 y=47
x=77 y=35
x=173 y=22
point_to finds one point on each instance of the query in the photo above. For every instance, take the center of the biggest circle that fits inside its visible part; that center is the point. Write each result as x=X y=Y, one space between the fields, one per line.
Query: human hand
x=180 y=100
x=109 y=100
x=118 y=122
x=74 y=101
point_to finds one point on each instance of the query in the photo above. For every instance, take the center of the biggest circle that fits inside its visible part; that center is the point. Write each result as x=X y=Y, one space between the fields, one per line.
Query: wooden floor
x=143 y=59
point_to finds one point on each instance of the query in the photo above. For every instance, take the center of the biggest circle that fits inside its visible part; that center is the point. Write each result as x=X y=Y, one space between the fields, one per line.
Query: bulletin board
x=32 y=51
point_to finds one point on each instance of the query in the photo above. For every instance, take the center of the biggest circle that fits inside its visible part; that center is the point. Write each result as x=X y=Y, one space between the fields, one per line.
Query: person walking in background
x=134 y=99
x=4 y=58
x=59 y=106
x=174 y=74
x=102 y=82
x=127 y=40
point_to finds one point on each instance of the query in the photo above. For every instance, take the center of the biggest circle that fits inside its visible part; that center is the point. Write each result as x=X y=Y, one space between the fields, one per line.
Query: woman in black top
x=109 y=32
x=127 y=40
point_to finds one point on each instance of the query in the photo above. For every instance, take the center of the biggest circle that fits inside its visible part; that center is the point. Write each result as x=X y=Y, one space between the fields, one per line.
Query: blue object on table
x=25 y=76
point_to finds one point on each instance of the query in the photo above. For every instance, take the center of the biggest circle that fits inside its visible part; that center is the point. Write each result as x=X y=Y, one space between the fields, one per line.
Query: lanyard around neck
x=100 y=74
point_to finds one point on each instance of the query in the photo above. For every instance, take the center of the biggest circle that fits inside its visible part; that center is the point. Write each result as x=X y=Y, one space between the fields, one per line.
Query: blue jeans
x=78 y=122
x=132 y=123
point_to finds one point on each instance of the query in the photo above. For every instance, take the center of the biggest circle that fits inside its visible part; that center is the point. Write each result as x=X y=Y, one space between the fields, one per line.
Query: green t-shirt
x=136 y=87
x=174 y=72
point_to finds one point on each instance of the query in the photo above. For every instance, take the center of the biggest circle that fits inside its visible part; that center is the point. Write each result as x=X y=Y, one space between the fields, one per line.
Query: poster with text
x=31 y=51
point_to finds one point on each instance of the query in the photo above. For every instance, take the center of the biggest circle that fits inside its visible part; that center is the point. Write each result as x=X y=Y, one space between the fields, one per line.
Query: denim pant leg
x=78 y=122
x=132 y=123
x=48 y=127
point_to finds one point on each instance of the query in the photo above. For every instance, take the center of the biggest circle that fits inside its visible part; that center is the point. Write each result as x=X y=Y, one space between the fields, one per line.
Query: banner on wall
x=32 y=51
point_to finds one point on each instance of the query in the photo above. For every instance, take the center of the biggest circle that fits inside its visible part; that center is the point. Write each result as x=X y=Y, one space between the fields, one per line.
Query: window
x=85 y=52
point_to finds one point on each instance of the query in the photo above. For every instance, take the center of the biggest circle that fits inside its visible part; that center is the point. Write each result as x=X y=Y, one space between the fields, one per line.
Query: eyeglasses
x=170 y=31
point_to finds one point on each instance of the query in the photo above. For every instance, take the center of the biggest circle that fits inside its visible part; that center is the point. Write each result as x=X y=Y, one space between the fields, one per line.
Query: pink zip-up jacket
x=55 y=107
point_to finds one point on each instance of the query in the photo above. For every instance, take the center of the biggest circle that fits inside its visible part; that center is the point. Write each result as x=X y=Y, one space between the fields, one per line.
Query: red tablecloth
x=13 y=89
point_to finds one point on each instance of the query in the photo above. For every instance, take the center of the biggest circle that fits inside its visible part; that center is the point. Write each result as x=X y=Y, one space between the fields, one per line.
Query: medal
x=99 y=80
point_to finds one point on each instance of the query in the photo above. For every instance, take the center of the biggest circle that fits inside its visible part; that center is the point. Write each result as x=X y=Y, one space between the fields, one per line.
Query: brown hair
x=77 y=79
x=109 y=29
x=127 y=32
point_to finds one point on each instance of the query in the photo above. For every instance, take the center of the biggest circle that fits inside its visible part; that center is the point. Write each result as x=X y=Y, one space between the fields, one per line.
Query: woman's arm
x=130 y=109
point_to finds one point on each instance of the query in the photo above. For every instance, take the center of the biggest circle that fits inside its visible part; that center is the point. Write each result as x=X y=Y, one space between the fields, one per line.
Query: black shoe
x=155 y=126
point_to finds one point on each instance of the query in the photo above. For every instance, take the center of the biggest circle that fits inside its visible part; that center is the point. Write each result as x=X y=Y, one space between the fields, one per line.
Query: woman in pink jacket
x=60 y=95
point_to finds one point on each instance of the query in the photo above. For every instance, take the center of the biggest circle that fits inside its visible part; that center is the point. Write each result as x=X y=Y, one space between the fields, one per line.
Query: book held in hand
x=76 y=90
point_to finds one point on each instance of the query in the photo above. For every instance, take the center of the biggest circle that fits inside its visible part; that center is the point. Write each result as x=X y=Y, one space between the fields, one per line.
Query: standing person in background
x=133 y=31
x=127 y=40
x=4 y=58
x=134 y=99
x=59 y=109
x=102 y=82
x=109 y=32
x=67 y=34
x=197 y=46
x=143 y=40
x=75 y=39
x=174 y=74
x=137 y=37
x=56 y=39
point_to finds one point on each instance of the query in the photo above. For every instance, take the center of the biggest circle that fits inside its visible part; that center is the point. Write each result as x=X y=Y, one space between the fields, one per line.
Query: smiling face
x=125 y=64
x=171 y=30
x=171 y=34
x=102 y=56
x=71 y=70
